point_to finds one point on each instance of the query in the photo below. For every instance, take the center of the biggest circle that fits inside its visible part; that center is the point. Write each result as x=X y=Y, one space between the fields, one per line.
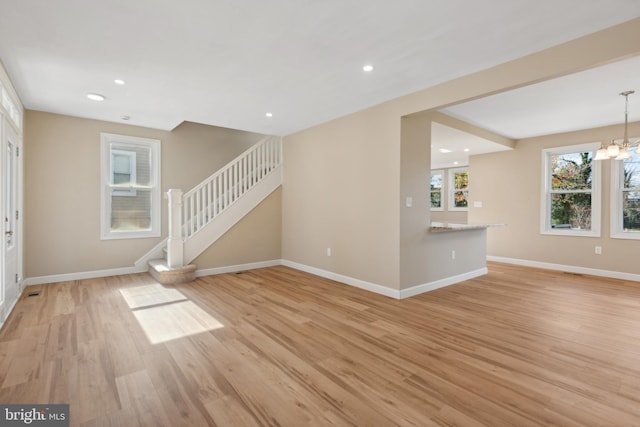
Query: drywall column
x=428 y=258
x=175 y=245
x=415 y=167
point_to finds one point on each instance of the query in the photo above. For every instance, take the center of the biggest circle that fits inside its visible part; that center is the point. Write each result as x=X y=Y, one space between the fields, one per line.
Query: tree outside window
x=571 y=191
x=436 y=187
x=459 y=189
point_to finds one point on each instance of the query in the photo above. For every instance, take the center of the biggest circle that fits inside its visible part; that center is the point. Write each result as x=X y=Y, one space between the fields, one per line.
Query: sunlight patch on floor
x=166 y=314
x=150 y=295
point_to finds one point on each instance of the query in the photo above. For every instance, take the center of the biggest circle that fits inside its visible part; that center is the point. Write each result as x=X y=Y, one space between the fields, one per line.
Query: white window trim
x=10 y=107
x=106 y=175
x=596 y=193
x=616 y=231
x=443 y=190
x=451 y=205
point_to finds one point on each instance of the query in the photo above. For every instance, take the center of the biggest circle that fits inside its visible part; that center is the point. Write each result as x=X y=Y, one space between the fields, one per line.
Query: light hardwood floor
x=278 y=347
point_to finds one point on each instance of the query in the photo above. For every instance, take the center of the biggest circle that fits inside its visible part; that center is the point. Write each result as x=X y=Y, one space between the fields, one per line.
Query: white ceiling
x=579 y=101
x=452 y=147
x=227 y=63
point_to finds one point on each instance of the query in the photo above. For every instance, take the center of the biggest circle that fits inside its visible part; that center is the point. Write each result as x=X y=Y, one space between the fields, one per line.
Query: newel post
x=175 y=257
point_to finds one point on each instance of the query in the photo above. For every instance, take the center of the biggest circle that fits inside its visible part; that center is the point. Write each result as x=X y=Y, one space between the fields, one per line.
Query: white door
x=10 y=290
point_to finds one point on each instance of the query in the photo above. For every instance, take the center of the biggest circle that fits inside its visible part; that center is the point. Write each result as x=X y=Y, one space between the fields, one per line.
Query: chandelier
x=614 y=150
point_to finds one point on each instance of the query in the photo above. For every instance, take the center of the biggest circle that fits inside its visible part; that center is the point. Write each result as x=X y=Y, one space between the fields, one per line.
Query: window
x=458 y=189
x=625 y=197
x=436 y=187
x=571 y=191
x=130 y=187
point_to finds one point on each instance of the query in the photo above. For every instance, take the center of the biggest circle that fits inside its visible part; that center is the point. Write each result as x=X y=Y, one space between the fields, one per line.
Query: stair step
x=171 y=276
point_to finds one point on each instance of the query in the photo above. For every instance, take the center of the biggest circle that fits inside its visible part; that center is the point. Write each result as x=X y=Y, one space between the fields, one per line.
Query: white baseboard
x=236 y=268
x=367 y=286
x=567 y=268
x=432 y=286
x=7 y=312
x=361 y=284
x=41 y=280
x=383 y=290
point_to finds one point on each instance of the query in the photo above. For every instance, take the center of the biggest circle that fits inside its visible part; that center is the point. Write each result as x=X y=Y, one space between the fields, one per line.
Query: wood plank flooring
x=278 y=347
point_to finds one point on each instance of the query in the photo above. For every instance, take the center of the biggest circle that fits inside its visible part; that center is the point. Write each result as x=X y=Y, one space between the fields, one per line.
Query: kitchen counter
x=445 y=227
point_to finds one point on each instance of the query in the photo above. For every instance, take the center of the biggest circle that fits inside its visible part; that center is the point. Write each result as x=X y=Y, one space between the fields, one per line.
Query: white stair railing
x=201 y=205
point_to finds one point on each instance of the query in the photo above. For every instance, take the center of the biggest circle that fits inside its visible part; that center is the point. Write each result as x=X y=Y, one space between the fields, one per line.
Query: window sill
x=629 y=235
x=570 y=232
x=130 y=235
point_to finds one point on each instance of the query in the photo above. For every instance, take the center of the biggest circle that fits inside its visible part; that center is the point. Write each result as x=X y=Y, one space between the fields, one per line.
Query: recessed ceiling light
x=269 y=114
x=466 y=150
x=119 y=82
x=456 y=163
x=444 y=150
x=367 y=68
x=95 y=97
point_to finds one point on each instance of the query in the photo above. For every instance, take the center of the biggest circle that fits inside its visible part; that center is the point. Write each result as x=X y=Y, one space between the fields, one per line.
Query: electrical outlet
x=598 y=250
x=328 y=251
x=453 y=254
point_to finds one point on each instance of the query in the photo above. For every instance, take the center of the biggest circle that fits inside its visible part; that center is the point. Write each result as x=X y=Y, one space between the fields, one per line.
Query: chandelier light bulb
x=613 y=150
x=619 y=151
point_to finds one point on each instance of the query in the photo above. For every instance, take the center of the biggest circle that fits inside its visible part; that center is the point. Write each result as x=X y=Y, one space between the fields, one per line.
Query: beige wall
x=340 y=191
x=458 y=217
x=257 y=237
x=509 y=186
x=62 y=189
x=343 y=184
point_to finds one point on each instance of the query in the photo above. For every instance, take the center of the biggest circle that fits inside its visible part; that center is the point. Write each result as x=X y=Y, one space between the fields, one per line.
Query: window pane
x=631 y=211
x=571 y=171
x=122 y=164
x=460 y=199
x=436 y=189
x=631 y=177
x=436 y=181
x=143 y=166
x=134 y=160
x=461 y=181
x=436 y=199
x=131 y=213
x=571 y=210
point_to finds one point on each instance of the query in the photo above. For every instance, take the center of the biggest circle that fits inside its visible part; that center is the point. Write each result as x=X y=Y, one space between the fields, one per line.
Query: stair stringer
x=154 y=253
x=226 y=219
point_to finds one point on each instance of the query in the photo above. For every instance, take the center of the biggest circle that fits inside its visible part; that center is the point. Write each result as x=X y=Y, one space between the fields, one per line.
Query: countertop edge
x=439 y=227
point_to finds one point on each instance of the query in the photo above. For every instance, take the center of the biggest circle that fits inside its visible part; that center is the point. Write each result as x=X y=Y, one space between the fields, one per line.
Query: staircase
x=202 y=215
